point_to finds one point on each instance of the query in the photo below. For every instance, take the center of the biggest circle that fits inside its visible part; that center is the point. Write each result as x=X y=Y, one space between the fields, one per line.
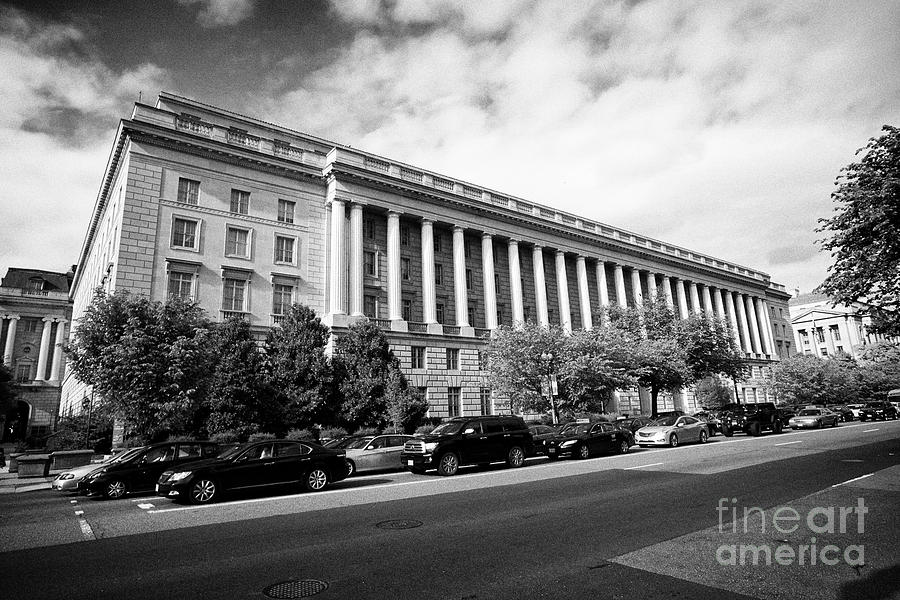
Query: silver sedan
x=375 y=453
x=814 y=417
x=672 y=431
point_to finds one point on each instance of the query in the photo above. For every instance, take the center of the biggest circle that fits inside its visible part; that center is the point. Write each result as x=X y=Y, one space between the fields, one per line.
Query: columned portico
x=10 y=339
x=682 y=299
x=490 y=291
x=636 y=288
x=746 y=344
x=459 y=277
x=395 y=310
x=336 y=281
x=651 y=285
x=763 y=325
x=429 y=301
x=732 y=318
x=753 y=324
x=356 y=259
x=667 y=291
x=57 y=349
x=720 y=306
x=620 y=286
x=602 y=289
x=562 y=289
x=540 y=286
x=584 y=297
x=695 y=299
x=45 y=350
x=515 y=282
x=707 y=301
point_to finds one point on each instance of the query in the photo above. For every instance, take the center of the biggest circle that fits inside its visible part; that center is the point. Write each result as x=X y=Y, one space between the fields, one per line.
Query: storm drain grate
x=295 y=589
x=399 y=524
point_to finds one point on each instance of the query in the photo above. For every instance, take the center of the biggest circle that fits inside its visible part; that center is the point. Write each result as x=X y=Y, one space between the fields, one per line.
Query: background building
x=34 y=313
x=824 y=329
x=246 y=217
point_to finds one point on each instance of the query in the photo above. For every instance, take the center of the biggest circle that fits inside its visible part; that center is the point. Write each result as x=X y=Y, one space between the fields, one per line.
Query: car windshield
x=808 y=412
x=665 y=421
x=581 y=429
x=359 y=443
x=125 y=455
x=231 y=452
x=344 y=443
x=448 y=428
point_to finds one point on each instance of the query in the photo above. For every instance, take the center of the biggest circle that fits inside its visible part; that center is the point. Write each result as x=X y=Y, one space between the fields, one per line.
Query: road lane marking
x=145 y=505
x=78 y=513
x=786 y=443
x=643 y=466
x=868 y=430
x=86 y=530
x=852 y=480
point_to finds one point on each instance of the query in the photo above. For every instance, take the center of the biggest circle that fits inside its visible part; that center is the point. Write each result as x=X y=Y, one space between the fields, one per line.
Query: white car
x=672 y=431
x=376 y=453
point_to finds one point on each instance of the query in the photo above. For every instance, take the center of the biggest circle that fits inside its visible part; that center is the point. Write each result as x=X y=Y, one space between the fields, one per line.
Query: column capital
x=459 y=228
x=336 y=199
x=487 y=236
x=394 y=214
x=11 y=317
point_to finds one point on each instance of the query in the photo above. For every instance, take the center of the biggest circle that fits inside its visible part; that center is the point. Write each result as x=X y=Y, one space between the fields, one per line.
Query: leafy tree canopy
x=864 y=233
x=808 y=379
x=7 y=395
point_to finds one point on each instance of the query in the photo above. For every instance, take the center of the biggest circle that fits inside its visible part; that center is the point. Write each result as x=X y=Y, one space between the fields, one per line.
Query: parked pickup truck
x=751 y=419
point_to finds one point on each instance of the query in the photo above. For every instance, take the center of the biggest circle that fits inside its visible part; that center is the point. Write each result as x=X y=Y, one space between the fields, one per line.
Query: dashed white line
x=643 y=466
x=852 y=480
x=868 y=430
x=145 y=505
x=78 y=513
x=786 y=443
x=86 y=530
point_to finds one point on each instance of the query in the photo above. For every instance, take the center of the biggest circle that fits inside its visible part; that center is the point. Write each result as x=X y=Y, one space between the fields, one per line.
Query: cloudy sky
x=718 y=126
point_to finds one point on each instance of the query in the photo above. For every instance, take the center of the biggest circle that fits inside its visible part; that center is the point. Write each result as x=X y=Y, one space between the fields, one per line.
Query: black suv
x=752 y=419
x=467 y=441
x=877 y=410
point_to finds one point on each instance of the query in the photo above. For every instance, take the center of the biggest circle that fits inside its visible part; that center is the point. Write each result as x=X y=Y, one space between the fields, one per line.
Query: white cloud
x=221 y=13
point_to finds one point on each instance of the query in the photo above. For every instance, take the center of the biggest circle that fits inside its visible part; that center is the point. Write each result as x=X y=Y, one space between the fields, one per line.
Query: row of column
x=748 y=315
x=44 y=354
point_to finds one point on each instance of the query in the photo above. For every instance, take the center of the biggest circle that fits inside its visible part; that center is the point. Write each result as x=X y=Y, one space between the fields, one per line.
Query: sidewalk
x=11 y=484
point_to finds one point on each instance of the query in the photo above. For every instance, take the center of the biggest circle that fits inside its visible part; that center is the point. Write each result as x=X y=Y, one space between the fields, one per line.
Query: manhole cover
x=295 y=589
x=399 y=524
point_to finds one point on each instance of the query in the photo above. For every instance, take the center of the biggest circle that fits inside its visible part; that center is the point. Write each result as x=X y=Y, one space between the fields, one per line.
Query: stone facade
x=194 y=203
x=824 y=329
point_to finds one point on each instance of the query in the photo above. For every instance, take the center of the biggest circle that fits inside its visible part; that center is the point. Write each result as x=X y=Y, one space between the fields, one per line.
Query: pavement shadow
x=881 y=584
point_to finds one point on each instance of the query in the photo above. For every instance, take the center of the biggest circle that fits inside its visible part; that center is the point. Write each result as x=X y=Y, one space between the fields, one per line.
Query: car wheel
x=727 y=432
x=834 y=424
x=623 y=447
x=515 y=457
x=776 y=427
x=584 y=451
x=754 y=429
x=703 y=436
x=115 y=489
x=315 y=480
x=351 y=468
x=673 y=441
x=448 y=465
x=203 y=491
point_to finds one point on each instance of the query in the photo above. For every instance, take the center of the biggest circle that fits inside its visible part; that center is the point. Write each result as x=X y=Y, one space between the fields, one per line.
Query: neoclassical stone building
x=823 y=328
x=246 y=217
x=34 y=316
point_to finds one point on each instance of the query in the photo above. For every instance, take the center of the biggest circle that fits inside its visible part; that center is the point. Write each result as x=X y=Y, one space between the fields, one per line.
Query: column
x=707 y=301
x=770 y=331
x=429 y=302
x=763 y=325
x=636 y=288
x=720 y=305
x=562 y=288
x=852 y=334
x=58 y=349
x=45 y=350
x=490 y=289
x=602 y=290
x=395 y=310
x=667 y=291
x=620 y=286
x=695 y=298
x=682 y=298
x=752 y=323
x=515 y=282
x=651 y=285
x=459 y=277
x=584 y=296
x=356 y=260
x=336 y=280
x=732 y=318
x=10 y=339
x=540 y=286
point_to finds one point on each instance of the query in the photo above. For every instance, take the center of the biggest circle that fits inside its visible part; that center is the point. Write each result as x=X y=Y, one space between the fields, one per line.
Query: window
x=439 y=312
x=470 y=280
x=406 y=309
x=181 y=285
x=438 y=273
x=417 y=357
x=471 y=312
x=404 y=269
x=496 y=283
x=820 y=335
x=404 y=234
x=369 y=265
x=188 y=190
x=437 y=242
x=23 y=372
x=282 y=298
x=804 y=338
x=486 y=405
x=453 y=401
x=467 y=249
x=284 y=249
x=835 y=333
x=237 y=242
x=240 y=202
x=370 y=307
x=184 y=233
x=369 y=228
x=286 y=211
x=452 y=359
x=234 y=294
x=31 y=324
x=35 y=285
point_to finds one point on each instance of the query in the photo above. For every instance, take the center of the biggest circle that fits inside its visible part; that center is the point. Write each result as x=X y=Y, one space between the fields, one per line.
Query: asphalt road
x=634 y=526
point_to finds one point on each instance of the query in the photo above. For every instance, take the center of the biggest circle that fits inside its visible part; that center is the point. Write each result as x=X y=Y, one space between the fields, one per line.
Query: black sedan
x=540 y=434
x=588 y=439
x=254 y=465
x=632 y=424
x=877 y=410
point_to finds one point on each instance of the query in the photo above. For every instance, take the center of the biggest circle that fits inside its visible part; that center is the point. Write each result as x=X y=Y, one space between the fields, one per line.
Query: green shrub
x=229 y=436
x=302 y=434
x=261 y=437
x=330 y=433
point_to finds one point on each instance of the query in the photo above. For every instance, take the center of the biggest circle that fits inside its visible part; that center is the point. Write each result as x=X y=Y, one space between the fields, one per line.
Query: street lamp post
x=547 y=359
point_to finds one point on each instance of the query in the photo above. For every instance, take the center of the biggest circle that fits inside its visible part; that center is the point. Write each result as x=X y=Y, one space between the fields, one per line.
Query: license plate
x=552 y=450
x=410 y=463
x=157 y=488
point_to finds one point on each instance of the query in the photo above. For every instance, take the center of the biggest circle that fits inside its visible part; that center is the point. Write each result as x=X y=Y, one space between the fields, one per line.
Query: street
x=642 y=525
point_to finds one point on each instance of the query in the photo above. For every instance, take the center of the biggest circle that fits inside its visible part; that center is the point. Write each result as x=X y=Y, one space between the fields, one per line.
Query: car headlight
x=179 y=476
x=568 y=443
x=430 y=446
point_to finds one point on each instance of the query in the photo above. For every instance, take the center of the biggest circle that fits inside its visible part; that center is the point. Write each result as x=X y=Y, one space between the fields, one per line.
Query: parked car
x=814 y=417
x=752 y=419
x=375 y=452
x=842 y=410
x=634 y=423
x=541 y=433
x=469 y=440
x=673 y=431
x=341 y=443
x=68 y=480
x=589 y=439
x=855 y=409
x=139 y=472
x=711 y=418
x=878 y=410
x=669 y=413
x=254 y=465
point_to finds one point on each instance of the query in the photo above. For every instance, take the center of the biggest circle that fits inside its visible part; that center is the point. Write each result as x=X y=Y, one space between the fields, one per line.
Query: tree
x=711 y=348
x=301 y=375
x=879 y=370
x=148 y=360
x=7 y=395
x=808 y=379
x=520 y=361
x=864 y=234
x=406 y=407
x=367 y=376
x=712 y=392
x=595 y=363
x=239 y=398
